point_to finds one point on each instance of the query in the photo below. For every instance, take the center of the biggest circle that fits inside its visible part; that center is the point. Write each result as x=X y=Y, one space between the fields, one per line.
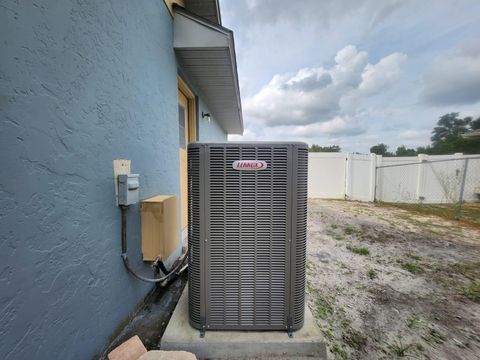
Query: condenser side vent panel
x=247 y=235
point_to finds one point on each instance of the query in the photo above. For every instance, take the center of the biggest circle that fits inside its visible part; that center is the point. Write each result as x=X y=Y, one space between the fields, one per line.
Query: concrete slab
x=179 y=335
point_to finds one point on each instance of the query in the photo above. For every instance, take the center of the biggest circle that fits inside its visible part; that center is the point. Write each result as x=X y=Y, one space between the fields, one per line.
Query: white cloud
x=319 y=95
x=414 y=134
x=377 y=77
x=454 y=78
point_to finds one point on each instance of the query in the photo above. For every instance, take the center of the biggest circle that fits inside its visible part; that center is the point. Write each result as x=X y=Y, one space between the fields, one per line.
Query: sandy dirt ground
x=385 y=283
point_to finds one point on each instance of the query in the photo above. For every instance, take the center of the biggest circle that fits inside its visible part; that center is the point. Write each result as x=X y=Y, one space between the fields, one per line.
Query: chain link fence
x=449 y=187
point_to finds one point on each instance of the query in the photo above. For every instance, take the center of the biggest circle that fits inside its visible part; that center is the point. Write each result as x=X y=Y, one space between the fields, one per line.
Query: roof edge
x=229 y=33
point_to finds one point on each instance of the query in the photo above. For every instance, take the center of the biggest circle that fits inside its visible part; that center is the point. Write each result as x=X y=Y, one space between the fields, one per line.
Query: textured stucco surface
x=81 y=83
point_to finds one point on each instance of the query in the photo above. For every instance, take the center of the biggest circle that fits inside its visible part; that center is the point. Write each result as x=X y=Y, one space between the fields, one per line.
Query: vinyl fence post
x=422 y=158
x=378 y=178
x=348 y=176
x=373 y=176
x=458 y=213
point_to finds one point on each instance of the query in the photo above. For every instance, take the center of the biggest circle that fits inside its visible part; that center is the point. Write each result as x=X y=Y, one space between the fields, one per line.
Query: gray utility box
x=247 y=223
x=128 y=189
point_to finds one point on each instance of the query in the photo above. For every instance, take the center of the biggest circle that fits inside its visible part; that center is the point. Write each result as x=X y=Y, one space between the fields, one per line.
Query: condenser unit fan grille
x=247 y=236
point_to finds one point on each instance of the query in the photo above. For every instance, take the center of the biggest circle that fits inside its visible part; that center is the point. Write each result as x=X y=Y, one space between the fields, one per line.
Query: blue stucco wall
x=81 y=83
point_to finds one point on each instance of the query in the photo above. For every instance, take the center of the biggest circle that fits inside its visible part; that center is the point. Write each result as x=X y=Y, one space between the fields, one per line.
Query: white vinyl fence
x=422 y=178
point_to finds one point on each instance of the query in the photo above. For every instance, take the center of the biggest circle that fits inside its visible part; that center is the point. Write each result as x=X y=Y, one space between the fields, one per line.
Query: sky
x=354 y=73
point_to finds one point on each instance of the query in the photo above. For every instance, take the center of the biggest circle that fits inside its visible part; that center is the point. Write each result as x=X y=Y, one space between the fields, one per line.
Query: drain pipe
x=181 y=266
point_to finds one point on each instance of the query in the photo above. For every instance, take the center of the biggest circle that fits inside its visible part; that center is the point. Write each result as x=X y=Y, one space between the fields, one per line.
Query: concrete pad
x=167 y=355
x=179 y=335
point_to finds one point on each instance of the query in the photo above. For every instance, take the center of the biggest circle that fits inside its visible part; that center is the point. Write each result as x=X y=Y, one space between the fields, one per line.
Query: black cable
x=162 y=267
x=170 y=273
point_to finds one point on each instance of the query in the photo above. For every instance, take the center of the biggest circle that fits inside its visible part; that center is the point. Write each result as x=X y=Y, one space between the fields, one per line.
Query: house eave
x=206 y=52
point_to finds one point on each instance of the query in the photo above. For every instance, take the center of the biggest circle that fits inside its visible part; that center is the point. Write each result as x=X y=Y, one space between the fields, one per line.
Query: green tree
x=380 y=149
x=449 y=127
x=475 y=124
x=318 y=148
x=424 y=149
x=404 y=151
x=447 y=136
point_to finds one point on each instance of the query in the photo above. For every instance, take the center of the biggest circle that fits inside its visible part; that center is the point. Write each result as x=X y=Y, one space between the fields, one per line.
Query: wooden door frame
x=192 y=113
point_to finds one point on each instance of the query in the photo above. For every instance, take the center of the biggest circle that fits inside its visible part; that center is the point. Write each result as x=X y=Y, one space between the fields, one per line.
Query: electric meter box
x=128 y=189
x=160 y=233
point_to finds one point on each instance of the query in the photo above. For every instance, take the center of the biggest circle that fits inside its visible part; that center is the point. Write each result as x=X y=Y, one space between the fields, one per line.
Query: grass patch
x=346 y=323
x=472 y=291
x=323 y=308
x=414 y=257
x=419 y=347
x=413 y=322
x=471 y=271
x=339 y=238
x=412 y=268
x=328 y=334
x=360 y=250
x=399 y=349
x=309 y=265
x=349 y=230
x=435 y=336
x=372 y=274
x=354 y=339
x=338 y=352
x=334 y=226
x=470 y=213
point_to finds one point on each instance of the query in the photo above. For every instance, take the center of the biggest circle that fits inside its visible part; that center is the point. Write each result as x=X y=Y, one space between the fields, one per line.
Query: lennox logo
x=249 y=165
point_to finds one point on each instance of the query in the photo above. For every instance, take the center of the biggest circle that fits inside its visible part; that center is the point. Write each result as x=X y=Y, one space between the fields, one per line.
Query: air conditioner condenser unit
x=247 y=217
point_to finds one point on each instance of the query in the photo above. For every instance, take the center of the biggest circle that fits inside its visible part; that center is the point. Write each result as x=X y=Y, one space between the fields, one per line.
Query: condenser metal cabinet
x=247 y=217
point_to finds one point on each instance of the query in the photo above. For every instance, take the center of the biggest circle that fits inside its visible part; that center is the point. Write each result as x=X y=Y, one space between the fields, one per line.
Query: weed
x=413 y=322
x=339 y=238
x=472 y=291
x=360 y=250
x=338 y=352
x=323 y=308
x=414 y=257
x=434 y=336
x=346 y=323
x=470 y=211
x=349 y=230
x=419 y=347
x=354 y=339
x=328 y=334
x=309 y=265
x=310 y=287
x=470 y=271
x=413 y=268
x=372 y=274
x=399 y=349
x=334 y=226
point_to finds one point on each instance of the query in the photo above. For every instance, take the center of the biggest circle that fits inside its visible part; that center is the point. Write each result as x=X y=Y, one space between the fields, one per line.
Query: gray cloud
x=338 y=126
x=319 y=95
x=325 y=13
x=312 y=81
x=454 y=78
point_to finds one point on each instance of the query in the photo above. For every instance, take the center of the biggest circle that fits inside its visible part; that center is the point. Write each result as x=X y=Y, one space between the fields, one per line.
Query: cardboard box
x=159 y=227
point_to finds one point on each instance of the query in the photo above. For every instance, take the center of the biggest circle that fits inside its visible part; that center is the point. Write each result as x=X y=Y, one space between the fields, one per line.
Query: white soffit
x=206 y=52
